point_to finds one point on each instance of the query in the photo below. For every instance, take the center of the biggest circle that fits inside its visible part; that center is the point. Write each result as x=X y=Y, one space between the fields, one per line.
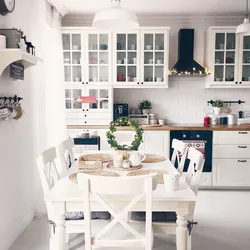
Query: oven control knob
x=198 y=136
x=184 y=136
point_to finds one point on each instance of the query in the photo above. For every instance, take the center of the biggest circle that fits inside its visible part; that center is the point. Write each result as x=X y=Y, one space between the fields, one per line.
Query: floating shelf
x=8 y=56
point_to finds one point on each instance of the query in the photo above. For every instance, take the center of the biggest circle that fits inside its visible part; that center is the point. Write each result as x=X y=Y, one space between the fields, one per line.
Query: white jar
x=2 y=42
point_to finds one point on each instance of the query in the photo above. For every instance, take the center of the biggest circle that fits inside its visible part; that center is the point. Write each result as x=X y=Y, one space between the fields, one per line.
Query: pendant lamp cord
x=247 y=14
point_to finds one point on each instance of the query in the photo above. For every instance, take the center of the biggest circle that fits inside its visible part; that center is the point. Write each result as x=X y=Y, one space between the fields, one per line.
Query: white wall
x=185 y=100
x=21 y=141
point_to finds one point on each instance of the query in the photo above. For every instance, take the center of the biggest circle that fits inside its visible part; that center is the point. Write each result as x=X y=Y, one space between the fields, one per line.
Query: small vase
x=217 y=110
x=145 y=111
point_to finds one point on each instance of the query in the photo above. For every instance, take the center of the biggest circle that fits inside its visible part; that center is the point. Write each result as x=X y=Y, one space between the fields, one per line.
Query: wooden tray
x=111 y=167
x=160 y=173
x=73 y=177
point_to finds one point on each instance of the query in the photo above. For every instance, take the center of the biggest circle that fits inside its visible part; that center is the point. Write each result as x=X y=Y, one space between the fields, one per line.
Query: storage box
x=12 y=38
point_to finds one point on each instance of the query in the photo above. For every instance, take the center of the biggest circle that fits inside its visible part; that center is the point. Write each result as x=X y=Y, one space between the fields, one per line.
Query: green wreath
x=124 y=121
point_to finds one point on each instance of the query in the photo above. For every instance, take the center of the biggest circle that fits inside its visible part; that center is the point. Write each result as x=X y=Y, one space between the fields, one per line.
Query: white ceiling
x=170 y=7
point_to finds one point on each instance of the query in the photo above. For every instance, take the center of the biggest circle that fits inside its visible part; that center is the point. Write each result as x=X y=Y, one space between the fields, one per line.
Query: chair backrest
x=136 y=187
x=179 y=154
x=195 y=168
x=48 y=173
x=66 y=155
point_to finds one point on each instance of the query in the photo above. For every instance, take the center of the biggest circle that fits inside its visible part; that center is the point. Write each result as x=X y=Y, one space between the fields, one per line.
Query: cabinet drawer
x=87 y=122
x=231 y=137
x=86 y=115
x=231 y=151
x=231 y=172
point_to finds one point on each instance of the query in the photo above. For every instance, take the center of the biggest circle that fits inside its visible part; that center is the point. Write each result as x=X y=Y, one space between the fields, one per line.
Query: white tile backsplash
x=185 y=101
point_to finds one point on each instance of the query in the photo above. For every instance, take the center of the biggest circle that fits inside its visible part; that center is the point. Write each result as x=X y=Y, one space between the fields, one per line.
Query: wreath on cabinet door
x=125 y=121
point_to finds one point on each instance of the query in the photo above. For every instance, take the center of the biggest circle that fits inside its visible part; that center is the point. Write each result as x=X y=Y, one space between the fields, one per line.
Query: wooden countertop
x=169 y=127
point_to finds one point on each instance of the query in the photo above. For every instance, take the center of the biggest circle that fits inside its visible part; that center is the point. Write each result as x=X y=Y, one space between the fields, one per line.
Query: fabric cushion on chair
x=80 y=216
x=156 y=216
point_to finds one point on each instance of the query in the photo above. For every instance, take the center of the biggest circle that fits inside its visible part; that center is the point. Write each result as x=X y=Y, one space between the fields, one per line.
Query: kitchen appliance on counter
x=141 y=119
x=120 y=110
x=200 y=140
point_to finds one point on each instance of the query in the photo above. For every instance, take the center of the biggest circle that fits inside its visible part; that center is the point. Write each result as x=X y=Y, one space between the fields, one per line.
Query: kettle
x=231 y=119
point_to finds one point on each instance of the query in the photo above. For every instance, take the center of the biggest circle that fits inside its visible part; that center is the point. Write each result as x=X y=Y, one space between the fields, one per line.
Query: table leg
x=60 y=232
x=189 y=242
x=181 y=233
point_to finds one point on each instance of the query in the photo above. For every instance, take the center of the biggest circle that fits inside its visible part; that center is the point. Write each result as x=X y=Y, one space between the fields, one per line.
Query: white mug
x=125 y=60
x=171 y=181
x=148 y=47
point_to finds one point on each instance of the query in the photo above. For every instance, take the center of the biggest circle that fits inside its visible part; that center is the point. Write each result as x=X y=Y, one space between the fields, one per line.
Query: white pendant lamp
x=115 y=18
x=244 y=28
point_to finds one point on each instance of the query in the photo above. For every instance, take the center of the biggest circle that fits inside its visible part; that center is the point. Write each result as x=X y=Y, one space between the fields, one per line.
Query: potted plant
x=145 y=106
x=217 y=105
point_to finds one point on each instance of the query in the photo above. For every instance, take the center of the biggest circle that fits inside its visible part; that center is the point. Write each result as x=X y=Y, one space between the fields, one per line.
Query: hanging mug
x=19 y=112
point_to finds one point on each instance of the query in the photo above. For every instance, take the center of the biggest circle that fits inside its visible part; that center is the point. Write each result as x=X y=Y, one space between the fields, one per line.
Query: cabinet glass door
x=126 y=58
x=72 y=57
x=246 y=60
x=72 y=99
x=224 y=59
x=98 y=58
x=153 y=52
x=102 y=96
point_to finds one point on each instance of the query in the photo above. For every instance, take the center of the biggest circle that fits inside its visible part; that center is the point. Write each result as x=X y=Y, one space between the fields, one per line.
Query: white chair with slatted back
x=66 y=155
x=118 y=232
x=49 y=175
x=180 y=151
x=193 y=178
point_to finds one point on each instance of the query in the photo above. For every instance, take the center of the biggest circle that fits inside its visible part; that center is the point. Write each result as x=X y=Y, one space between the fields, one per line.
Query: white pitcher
x=136 y=158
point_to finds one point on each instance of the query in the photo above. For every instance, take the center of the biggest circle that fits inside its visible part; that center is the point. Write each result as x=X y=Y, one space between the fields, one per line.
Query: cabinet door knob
x=142 y=83
x=83 y=110
x=87 y=83
x=85 y=122
x=85 y=115
x=82 y=82
x=87 y=110
x=138 y=83
x=240 y=82
x=236 y=82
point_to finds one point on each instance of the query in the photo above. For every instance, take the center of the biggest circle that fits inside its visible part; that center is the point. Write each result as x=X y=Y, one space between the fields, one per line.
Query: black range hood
x=186 y=65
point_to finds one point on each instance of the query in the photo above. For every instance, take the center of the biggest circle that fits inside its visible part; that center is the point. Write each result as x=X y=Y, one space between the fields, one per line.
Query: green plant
x=145 y=104
x=124 y=121
x=218 y=104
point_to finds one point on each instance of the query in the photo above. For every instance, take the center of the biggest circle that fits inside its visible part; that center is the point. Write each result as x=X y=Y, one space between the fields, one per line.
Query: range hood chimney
x=186 y=65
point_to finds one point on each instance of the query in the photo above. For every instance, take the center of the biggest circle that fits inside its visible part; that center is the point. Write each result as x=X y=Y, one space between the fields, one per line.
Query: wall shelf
x=8 y=56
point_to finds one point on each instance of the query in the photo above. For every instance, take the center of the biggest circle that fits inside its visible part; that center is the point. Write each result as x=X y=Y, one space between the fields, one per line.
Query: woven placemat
x=90 y=165
x=152 y=158
x=160 y=173
x=73 y=177
x=111 y=167
x=97 y=157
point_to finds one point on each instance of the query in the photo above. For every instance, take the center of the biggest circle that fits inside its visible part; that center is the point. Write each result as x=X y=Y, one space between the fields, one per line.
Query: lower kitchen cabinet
x=231 y=172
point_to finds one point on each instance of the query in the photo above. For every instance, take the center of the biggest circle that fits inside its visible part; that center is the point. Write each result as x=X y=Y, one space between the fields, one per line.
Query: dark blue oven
x=199 y=139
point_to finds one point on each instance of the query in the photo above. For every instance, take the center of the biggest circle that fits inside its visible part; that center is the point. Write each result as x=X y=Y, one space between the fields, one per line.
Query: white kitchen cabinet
x=231 y=159
x=231 y=172
x=141 y=58
x=87 y=72
x=227 y=57
x=98 y=113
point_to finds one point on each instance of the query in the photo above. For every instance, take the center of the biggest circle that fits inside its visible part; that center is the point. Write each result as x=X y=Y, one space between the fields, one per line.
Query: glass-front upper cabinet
x=154 y=57
x=225 y=55
x=98 y=57
x=244 y=65
x=72 y=57
x=72 y=99
x=126 y=58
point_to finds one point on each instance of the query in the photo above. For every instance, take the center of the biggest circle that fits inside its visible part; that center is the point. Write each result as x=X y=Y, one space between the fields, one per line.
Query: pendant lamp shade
x=244 y=28
x=115 y=18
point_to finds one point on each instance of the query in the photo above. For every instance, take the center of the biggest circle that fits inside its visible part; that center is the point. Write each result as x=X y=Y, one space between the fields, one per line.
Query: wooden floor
x=223 y=217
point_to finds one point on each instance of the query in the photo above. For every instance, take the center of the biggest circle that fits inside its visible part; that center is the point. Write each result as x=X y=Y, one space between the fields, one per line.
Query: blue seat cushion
x=156 y=216
x=94 y=216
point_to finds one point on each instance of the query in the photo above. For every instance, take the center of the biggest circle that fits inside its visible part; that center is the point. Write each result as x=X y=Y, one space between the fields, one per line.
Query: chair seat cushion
x=156 y=216
x=80 y=216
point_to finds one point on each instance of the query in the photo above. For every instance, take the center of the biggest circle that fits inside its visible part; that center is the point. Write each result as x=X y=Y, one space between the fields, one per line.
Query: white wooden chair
x=66 y=155
x=193 y=178
x=180 y=151
x=49 y=176
x=118 y=232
